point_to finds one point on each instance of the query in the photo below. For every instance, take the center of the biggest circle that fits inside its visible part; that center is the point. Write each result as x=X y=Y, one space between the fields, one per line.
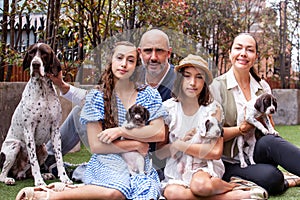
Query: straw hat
x=196 y=61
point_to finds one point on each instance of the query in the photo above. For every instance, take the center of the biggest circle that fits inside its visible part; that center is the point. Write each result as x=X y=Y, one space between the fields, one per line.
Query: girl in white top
x=189 y=108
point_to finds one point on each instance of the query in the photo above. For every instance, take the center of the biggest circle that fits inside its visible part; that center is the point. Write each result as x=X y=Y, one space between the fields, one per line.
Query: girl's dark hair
x=107 y=85
x=205 y=97
x=252 y=70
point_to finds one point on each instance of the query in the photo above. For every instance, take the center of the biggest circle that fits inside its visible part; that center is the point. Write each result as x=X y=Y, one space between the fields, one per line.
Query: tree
x=4 y=38
x=52 y=23
x=85 y=25
x=293 y=18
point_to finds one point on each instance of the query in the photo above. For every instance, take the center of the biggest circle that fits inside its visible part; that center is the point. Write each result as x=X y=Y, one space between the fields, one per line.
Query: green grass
x=290 y=133
x=10 y=192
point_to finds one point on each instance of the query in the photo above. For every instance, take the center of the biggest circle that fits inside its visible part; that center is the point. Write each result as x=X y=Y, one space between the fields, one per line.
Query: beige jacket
x=225 y=97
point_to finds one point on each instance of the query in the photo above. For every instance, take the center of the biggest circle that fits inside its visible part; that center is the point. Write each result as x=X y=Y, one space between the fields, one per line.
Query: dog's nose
x=137 y=116
x=272 y=111
x=36 y=64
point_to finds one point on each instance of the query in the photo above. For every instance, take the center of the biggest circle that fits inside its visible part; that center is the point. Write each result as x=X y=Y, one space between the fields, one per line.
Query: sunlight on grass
x=290 y=133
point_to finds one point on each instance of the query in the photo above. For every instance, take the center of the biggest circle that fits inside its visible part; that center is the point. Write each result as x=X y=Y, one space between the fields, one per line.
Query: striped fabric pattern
x=110 y=170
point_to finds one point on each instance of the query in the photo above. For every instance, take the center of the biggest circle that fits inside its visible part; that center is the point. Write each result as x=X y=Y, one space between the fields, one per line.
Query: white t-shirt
x=179 y=124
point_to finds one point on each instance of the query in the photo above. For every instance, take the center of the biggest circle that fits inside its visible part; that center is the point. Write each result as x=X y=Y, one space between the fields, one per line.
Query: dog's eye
x=43 y=51
x=32 y=52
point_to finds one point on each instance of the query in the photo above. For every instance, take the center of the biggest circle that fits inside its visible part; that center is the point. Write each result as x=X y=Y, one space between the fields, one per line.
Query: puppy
x=258 y=108
x=186 y=163
x=35 y=120
x=137 y=116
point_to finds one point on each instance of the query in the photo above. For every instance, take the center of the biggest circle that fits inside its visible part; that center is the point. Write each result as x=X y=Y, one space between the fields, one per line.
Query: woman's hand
x=109 y=135
x=245 y=127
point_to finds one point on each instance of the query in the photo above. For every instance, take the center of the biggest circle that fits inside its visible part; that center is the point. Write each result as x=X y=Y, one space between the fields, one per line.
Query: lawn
x=290 y=133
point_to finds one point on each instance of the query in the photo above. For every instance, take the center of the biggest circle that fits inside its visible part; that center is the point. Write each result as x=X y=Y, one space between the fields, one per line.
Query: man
x=155 y=52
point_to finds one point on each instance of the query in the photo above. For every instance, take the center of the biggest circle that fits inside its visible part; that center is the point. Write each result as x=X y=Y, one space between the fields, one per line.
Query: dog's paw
x=252 y=162
x=66 y=180
x=39 y=182
x=129 y=126
x=48 y=176
x=272 y=132
x=243 y=164
x=9 y=181
x=275 y=133
x=265 y=131
x=21 y=176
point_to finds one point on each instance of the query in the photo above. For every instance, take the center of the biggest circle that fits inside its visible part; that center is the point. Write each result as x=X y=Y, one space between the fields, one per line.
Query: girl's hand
x=109 y=135
x=142 y=148
x=173 y=150
x=189 y=135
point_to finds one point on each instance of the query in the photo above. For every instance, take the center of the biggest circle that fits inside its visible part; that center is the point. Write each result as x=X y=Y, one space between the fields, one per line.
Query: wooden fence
x=18 y=74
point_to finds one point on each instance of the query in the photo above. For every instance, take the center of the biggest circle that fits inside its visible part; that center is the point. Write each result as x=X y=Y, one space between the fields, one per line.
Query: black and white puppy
x=257 y=108
x=35 y=121
x=186 y=163
x=136 y=116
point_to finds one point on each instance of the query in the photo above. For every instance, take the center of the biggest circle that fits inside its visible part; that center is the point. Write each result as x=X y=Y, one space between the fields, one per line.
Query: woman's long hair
x=107 y=85
x=205 y=97
x=252 y=70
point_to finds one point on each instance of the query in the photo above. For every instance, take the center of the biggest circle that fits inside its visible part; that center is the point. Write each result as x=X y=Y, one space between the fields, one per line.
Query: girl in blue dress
x=107 y=175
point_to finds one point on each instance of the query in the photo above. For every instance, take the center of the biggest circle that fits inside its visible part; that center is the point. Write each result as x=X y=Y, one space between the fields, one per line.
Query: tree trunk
x=12 y=37
x=4 y=38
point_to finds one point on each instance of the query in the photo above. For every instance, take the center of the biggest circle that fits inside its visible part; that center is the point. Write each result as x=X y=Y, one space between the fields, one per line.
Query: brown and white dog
x=35 y=120
x=137 y=116
x=257 y=108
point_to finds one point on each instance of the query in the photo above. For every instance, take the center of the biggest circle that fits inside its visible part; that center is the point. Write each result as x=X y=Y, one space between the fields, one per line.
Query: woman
x=107 y=175
x=233 y=89
x=188 y=110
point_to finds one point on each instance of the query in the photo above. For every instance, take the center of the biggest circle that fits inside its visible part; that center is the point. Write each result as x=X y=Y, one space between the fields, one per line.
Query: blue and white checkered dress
x=110 y=170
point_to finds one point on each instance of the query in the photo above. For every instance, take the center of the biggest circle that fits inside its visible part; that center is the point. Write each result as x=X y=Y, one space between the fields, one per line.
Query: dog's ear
x=25 y=64
x=26 y=59
x=147 y=114
x=208 y=125
x=221 y=129
x=55 y=64
x=127 y=116
x=274 y=102
x=259 y=104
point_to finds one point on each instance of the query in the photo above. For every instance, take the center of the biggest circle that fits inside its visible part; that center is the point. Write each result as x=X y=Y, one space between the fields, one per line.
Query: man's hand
x=59 y=82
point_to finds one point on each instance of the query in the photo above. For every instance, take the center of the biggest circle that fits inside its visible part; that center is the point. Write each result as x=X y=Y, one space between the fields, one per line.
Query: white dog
x=186 y=163
x=35 y=121
x=258 y=108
